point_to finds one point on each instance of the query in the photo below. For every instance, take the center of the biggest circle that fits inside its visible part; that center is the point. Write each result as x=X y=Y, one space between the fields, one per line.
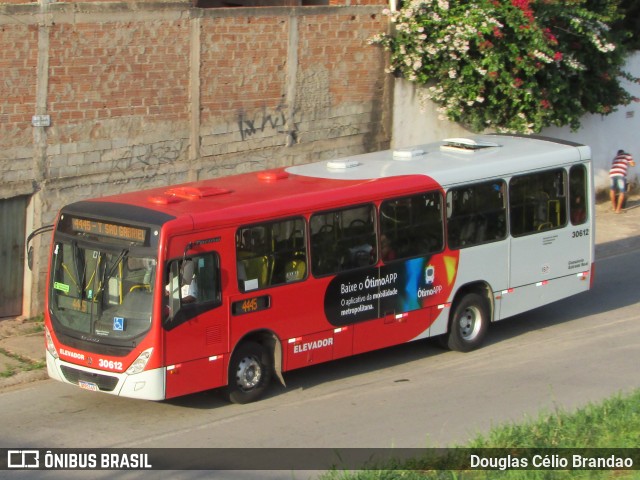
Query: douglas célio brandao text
x=550 y=461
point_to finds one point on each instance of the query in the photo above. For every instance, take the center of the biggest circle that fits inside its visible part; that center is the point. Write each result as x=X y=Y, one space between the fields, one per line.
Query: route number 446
x=250 y=305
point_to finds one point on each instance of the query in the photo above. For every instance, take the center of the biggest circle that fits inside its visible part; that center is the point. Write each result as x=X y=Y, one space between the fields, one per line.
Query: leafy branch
x=512 y=65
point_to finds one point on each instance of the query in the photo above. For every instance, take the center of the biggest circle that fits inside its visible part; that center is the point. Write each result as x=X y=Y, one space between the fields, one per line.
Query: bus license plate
x=88 y=385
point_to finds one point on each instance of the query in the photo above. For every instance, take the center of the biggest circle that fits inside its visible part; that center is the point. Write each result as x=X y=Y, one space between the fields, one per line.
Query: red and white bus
x=228 y=283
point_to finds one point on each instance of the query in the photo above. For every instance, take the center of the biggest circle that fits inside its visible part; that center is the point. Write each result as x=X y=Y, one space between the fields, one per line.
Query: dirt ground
x=21 y=351
x=11 y=327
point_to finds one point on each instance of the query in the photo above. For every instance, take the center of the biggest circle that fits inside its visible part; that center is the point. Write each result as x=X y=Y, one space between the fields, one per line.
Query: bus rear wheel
x=469 y=323
x=250 y=372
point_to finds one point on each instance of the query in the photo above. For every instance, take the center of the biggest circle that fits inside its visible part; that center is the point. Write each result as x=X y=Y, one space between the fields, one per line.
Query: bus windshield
x=101 y=292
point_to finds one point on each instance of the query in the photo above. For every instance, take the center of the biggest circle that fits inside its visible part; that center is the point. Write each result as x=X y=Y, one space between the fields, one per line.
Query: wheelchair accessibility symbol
x=118 y=324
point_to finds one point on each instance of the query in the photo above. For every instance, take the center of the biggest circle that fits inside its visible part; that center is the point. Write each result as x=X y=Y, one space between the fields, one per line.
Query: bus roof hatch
x=466 y=145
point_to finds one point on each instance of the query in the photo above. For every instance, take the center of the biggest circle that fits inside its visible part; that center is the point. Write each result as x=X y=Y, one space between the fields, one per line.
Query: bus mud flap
x=277 y=362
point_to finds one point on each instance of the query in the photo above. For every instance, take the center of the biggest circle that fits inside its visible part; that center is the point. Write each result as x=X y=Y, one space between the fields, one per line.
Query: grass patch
x=35 y=325
x=24 y=364
x=612 y=425
x=8 y=372
x=39 y=365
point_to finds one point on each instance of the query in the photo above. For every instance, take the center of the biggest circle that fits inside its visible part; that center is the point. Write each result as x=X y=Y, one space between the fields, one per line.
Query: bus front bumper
x=147 y=385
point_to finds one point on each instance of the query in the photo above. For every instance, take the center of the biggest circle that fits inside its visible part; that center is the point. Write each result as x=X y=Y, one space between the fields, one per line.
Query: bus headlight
x=140 y=363
x=51 y=348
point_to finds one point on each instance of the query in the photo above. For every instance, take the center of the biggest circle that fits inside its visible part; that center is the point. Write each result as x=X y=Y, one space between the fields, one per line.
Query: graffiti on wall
x=281 y=119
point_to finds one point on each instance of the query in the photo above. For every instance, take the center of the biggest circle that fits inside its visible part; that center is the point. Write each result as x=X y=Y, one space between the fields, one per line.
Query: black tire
x=250 y=372
x=468 y=323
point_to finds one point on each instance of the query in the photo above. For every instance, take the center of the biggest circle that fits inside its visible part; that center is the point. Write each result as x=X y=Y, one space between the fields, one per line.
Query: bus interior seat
x=360 y=256
x=481 y=229
x=327 y=257
x=295 y=269
x=296 y=240
x=468 y=231
x=256 y=268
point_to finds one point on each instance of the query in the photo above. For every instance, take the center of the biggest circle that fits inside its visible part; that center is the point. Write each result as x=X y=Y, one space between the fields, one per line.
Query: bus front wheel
x=250 y=373
x=469 y=322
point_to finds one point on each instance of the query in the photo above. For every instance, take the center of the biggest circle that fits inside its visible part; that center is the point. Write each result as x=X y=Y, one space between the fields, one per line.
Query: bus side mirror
x=36 y=232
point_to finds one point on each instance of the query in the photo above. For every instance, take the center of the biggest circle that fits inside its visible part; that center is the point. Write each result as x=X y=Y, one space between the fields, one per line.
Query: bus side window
x=343 y=239
x=324 y=243
x=538 y=202
x=271 y=254
x=411 y=226
x=476 y=214
x=193 y=287
x=578 y=194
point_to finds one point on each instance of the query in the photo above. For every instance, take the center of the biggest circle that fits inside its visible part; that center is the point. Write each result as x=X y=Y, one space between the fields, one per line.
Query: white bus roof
x=454 y=160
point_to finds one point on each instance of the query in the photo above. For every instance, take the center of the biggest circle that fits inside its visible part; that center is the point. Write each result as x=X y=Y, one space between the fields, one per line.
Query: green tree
x=630 y=23
x=512 y=65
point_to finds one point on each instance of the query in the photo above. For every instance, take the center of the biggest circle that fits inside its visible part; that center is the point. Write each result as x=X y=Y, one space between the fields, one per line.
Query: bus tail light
x=588 y=275
x=173 y=369
x=51 y=348
x=140 y=362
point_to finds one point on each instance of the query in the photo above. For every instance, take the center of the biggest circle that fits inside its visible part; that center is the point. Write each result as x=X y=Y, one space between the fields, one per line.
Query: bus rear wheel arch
x=250 y=373
x=468 y=322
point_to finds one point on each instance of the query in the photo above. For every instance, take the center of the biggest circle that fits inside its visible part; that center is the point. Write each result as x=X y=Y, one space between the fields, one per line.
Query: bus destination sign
x=113 y=230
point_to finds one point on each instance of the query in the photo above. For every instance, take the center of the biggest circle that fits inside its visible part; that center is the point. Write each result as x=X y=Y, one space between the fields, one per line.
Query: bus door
x=195 y=319
x=551 y=245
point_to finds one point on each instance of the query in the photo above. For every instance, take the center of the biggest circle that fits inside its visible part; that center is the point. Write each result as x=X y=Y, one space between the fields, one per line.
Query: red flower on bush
x=550 y=36
x=526 y=9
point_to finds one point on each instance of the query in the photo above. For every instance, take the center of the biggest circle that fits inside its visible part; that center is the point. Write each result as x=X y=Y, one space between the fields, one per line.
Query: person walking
x=618 y=175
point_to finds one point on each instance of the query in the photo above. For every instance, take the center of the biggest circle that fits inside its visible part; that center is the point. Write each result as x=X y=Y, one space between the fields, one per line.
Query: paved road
x=563 y=355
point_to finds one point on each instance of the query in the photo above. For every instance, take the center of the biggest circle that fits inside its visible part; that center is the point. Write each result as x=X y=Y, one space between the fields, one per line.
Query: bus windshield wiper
x=78 y=258
x=107 y=274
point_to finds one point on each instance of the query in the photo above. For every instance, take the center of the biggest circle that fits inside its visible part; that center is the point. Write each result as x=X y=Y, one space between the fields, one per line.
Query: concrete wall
x=142 y=94
x=414 y=123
